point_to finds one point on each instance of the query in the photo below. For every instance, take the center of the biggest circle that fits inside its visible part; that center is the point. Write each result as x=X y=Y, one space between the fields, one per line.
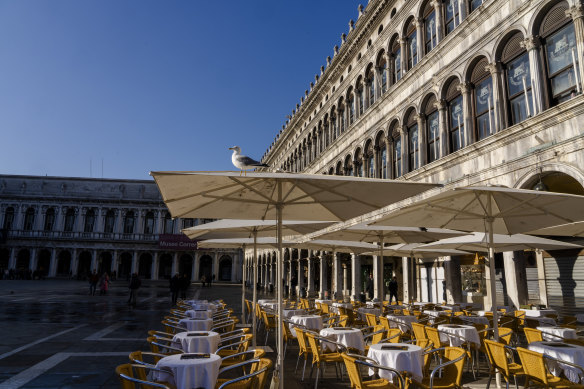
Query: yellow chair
x=371 y=319
x=241 y=357
x=453 y=360
x=533 y=335
x=137 y=357
x=318 y=357
x=354 y=320
x=393 y=336
x=303 y=349
x=376 y=335
x=420 y=332
x=129 y=377
x=351 y=363
x=434 y=336
x=536 y=370
x=384 y=321
x=499 y=361
x=163 y=346
x=270 y=324
x=235 y=347
x=255 y=379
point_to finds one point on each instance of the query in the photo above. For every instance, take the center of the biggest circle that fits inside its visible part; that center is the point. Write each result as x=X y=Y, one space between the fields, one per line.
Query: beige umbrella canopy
x=417 y=250
x=478 y=242
x=389 y=234
x=262 y=243
x=571 y=229
x=278 y=196
x=343 y=246
x=491 y=210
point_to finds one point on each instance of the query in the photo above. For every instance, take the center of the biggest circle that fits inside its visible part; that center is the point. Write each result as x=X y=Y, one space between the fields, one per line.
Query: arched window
x=348 y=166
x=89 y=221
x=432 y=130
x=331 y=171
x=370 y=81
x=381 y=156
x=430 y=27
x=369 y=160
x=327 y=139
x=168 y=224
x=360 y=96
x=149 y=223
x=351 y=106
x=382 y=71
x=69 y=220
x=561 y=56
x=334 y=123
x=413 y=145
x=339 y=169
x=49 y=219
x=341 y=116
x=484 y=111
x=8 y=218
x=396 y=57
x=109 y=223
x=474 y=4
x=29 y=219
x=452 y=14
x=129 y=220
x=397 y=154
x=455 y=117
x=518 y=80
x=411 y=44
x=358 y=163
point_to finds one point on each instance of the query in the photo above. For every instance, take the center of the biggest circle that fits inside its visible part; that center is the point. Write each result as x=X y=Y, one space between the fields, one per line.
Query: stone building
x=457 y=92
x=67 y=227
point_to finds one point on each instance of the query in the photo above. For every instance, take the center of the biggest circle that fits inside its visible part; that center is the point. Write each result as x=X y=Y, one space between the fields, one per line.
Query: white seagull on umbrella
x=244 y=162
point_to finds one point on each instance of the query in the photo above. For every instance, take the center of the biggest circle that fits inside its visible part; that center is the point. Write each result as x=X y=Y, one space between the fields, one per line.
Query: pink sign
x=176 y=242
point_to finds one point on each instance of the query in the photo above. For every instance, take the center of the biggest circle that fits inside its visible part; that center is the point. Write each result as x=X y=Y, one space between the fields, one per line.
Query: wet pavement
x=55 y=335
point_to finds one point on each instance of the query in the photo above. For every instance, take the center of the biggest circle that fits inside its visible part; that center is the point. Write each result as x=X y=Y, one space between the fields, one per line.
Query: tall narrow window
x=360 y=97
x=341 y=117
x=149 y=223
x=371 y=86
x=484 y=109
x=334 y=124
x=8 y=218
x=351 y=102
x=29 y=219
x=382 y=160
x=129 y=221
x=168 y=224
x=456 y=118
x=561 y=55
x=89 y=221
x=49 y=219
x=474 y=4
x=518 y=80
x=411 y=45
x=110 y=222
x=371 y=165
x=397 y=157
x=348 y=166
x=413 y=149
x=430 y=37
x=69 y=220
x=396 y=55
x=382 y=72
x=452 y=12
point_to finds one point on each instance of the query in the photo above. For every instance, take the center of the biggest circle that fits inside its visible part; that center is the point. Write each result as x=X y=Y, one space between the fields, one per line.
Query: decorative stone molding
x=531 y=43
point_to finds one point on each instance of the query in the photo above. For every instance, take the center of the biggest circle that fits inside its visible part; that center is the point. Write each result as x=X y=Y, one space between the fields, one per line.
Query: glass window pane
x=484 y=96
x=518 y=75
x=430 y=31
x=519 y=107
x=559 y=49
x=563 y=81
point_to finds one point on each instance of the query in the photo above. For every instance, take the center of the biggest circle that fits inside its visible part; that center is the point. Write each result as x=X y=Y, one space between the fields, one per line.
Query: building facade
x=68 y=227
x=457 y=92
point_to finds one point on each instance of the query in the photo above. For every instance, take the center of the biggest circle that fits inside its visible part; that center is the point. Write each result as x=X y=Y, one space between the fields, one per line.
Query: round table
x=400 y=356
x=436 y=314
x=272 y=306
x=566 y=333
x=267 y=301
x=199 y=313
x=198 y=341
x=197 y=324
x=457 y=334
x=312 y=322
x=361 y=312
x=564 y=351
x=539 y=312
x=476 y=319
x=191 y=302
x=190 y=373
x=545 y=321
x=404 y=323
x=288 y=313
x=206 y=306
x=323 y=301
x=350 y=337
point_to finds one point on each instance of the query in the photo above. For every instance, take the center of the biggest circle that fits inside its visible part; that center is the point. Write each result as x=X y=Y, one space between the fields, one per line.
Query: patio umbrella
x=490 y=210
x=232 y=228
x=571 y=229
x=278 y=196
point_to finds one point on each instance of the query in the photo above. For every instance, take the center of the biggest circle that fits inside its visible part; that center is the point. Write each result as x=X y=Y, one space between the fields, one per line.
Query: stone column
x=32 y=263
x=139 y=227
x=515 y=277
x=389 y=155
x=532 y=45
x=100 y=219
x=541 y=278
x=53 y=265
x=114 y=262
x=453 y=280
x=300 y=274
x=345 y=281
x=437 y=4
x=119 y=215
x=378 y=277
x=310 y=269
x=355 y=277
x=215 y=265
x=234 y=267
x=94 y=264
x=290 y=270
x=197 y=265
x=323 y=275
x=577 y=14
x=154 y=269
x=134 y=262
x=337 y=289
x=405 y=165
x=422 y=140
x=404 y=55
x=496 y=72
x=469 y=136
x=12 y=258
x=420 y=38
x=407 y=276
x=443 y=145
x=74 y=262
x=174 y=268
x=20 y=210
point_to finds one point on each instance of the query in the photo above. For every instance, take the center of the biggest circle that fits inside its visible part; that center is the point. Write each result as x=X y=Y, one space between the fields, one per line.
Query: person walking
x=93 y=280
x=174 y=288
x=103 y=284
x=135 y=284
x=392 y=288
x=369 y=287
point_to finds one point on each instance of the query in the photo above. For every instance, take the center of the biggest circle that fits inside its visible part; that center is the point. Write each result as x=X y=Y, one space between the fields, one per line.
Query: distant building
x=457 y=92
x=62 y=227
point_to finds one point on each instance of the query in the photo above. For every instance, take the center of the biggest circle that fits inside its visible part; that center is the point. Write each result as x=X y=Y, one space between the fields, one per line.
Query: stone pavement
x=54 y=335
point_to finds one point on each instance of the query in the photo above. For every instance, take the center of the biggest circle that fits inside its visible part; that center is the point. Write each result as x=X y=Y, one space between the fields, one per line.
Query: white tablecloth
x=567 y=352
x=190 y=373
x=272 y=306
x=350 y=337
x=293 y=312
x=335 y=306
x=476 y=319
x=436 y=313
x=191 y=302
x=404 y=323
x=580 y=318
x=210 y=306
x=409 y=359
x=362 y=311
x=323 y=301
x=453 y=308
x=312 y=322
x=197 y=324
x=545 y=321
x=566 y=333
x=199 y=314
x=539 y=313
x=460 y=334
x=267 y=301
x=207 y=343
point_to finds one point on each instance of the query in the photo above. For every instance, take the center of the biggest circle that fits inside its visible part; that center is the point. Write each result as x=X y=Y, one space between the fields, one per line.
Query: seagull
x=244 y=162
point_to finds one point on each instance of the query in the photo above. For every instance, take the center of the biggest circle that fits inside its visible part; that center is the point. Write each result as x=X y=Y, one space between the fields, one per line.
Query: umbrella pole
x=280 y=339
x=243 y=288
x=490 y=239
x=255 y=285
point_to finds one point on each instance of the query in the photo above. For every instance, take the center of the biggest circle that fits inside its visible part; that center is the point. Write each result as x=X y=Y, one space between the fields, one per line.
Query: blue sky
x=154 y=85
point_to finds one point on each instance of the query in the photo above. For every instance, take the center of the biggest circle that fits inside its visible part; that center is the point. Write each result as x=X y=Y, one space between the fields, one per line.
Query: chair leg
x=303 y=369
x=317 y=374
x=490 y=379
x=267 y=333
x=298 y=360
